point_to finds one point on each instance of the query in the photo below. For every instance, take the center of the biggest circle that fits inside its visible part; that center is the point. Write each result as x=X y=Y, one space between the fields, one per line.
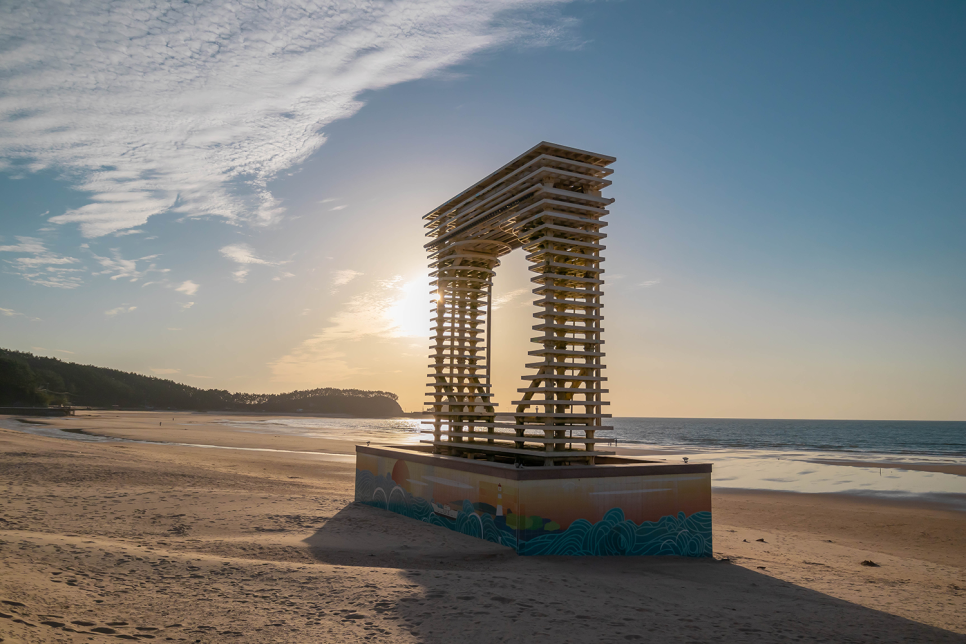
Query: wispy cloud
x=25 y=245
x=188 y=288
x=244 y=255
x=649 y=283
x=393 y=308
x=342 y=207
x=11 y=313
x=124 y=308
x=40 y=266
x=186 y=305
x=343 y=277
x=194 y=107
x=506 y=298
x=120 y=268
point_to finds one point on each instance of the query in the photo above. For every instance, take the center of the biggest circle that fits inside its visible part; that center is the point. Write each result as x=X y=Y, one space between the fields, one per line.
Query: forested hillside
x=26 y=379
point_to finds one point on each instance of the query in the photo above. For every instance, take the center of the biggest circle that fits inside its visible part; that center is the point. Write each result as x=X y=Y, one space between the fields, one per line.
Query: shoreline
x=937 y=501
x=219 y=431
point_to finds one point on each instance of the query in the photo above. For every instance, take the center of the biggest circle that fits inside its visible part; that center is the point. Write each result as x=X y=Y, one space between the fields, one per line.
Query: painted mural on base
x=540 y=517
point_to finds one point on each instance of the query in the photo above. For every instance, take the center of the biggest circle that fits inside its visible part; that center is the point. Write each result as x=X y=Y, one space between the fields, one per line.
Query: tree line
x=29 y=380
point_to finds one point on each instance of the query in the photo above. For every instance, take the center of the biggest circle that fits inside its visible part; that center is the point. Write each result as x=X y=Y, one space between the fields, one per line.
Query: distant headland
x=26 y=379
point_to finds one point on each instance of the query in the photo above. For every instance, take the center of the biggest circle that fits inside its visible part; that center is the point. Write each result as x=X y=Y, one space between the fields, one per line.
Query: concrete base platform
x=620 y=506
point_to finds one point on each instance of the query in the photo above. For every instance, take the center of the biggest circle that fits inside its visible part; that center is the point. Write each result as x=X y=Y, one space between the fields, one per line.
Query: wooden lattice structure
x=548 y=202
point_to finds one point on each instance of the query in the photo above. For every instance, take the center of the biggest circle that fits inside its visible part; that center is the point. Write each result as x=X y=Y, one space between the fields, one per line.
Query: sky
x=229 y=194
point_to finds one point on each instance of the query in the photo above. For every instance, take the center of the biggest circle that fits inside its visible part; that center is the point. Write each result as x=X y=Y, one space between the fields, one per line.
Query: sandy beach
x=254 y=538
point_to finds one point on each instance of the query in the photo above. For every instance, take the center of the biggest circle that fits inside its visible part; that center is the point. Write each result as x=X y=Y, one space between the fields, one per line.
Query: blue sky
x=231 y=197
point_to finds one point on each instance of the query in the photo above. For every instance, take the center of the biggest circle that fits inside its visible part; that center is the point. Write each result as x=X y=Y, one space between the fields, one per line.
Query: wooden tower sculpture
x=548 y=202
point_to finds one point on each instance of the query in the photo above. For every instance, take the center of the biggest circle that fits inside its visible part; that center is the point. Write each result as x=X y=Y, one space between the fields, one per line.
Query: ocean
x=856 y=437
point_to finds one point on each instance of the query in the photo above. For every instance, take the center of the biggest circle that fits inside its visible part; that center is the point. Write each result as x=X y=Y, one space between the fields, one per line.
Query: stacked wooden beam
x=548 y=202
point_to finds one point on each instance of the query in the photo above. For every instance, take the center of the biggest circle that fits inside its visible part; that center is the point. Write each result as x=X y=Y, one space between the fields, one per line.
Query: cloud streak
x=391 y=309
x=343 y=277
x=11 y=313
x=40 y=266
x=119 y=268
x=118 y=310
x=244 y=255
x=502 y=300
x=153 y=106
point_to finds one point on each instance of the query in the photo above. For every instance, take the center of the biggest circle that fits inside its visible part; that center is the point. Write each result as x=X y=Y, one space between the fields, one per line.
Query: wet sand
x=942 y=468
x=108 y=540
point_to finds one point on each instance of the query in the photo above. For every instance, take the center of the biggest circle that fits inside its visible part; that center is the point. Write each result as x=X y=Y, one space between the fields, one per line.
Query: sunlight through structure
x=532 y=479
x=548 y=202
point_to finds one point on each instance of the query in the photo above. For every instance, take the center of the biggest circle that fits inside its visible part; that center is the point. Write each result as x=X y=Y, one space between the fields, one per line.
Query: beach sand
x=125 y=540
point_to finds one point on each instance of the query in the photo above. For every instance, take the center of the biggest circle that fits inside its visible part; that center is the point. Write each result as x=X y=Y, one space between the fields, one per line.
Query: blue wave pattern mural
x=683 y=536
x=614 y=535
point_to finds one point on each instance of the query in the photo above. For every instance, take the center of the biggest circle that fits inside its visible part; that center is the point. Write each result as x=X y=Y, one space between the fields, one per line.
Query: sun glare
x=410 y=312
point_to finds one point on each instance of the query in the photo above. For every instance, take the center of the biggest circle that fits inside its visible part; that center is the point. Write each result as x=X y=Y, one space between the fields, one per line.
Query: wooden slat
x=548 y=202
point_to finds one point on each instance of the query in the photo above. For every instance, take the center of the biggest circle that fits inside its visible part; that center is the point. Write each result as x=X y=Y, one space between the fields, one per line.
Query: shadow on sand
x=447 y=587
